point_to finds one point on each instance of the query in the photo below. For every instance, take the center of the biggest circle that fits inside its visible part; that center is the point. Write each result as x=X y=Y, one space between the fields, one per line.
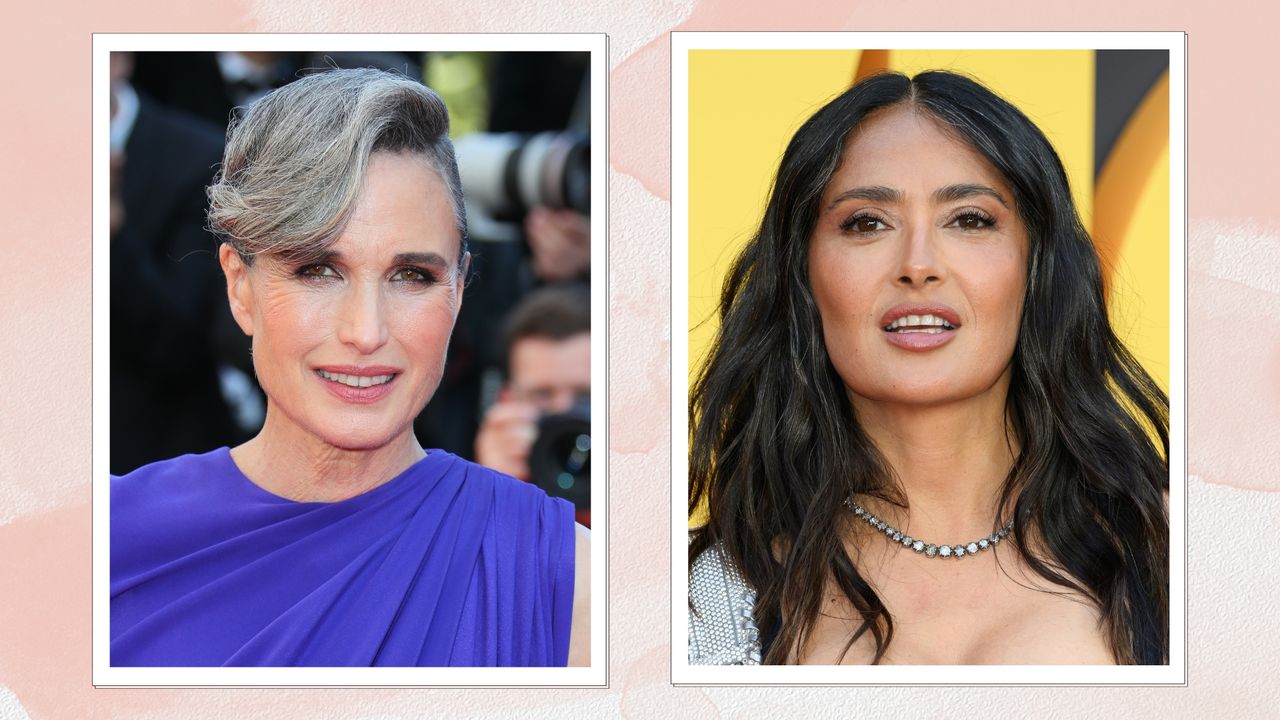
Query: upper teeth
x=356 y=380
x=927 y=322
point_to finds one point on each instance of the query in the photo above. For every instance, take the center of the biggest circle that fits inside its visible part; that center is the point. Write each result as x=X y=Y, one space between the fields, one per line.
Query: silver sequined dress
x=722 y=627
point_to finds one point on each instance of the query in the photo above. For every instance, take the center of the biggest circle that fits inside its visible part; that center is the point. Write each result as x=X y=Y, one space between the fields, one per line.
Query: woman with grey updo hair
x=332 y=538
x=294 y=164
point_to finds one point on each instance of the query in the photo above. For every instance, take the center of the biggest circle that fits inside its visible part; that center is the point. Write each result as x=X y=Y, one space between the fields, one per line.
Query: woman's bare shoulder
x=580 y=632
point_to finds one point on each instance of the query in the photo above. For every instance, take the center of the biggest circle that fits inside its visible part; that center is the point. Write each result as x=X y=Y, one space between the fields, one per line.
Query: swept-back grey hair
x=295 y=162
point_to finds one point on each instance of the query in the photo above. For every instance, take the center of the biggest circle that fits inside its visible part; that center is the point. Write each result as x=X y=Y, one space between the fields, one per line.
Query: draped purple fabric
x=449 y=563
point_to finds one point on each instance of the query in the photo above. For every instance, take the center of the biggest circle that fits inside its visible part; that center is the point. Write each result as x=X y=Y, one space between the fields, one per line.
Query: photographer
x=548 y=340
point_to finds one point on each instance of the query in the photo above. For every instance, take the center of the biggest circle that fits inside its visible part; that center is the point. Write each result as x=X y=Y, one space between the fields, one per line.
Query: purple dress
x=449 y=563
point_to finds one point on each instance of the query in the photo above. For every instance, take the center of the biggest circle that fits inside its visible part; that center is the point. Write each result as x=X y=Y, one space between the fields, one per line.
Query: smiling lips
x=358 y=385
x=919 y=328
x=356 y=380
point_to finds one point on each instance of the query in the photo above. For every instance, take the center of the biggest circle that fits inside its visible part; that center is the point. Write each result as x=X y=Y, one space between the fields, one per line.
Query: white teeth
x=355 y=380
x=931 y=324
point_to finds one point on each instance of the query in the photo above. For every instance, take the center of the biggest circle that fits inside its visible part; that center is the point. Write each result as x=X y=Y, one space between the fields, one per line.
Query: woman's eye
x=413 y=275
x=973 y=221
x=317 y=271
x=864 y=224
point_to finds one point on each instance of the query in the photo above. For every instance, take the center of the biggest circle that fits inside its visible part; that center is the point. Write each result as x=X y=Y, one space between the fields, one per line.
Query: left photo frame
x=350 y=360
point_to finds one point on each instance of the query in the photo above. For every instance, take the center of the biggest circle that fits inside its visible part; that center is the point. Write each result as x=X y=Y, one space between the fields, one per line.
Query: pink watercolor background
x=1234 y=364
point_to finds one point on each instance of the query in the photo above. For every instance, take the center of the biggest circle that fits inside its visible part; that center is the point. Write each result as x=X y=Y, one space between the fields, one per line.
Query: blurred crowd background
x=516 y=390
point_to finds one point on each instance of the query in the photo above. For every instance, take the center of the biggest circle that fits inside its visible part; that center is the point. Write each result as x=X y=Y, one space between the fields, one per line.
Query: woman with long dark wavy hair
x=917 y=438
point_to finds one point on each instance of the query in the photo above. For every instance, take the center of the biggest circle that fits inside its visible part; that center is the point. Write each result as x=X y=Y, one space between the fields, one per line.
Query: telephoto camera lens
x=508 y=173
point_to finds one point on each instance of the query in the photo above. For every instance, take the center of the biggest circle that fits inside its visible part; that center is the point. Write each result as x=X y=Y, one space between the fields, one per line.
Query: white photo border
x=595 y=675
x=682 y=673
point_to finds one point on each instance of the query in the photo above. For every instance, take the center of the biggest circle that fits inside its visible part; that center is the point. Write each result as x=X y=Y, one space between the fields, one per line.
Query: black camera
x=560 y=460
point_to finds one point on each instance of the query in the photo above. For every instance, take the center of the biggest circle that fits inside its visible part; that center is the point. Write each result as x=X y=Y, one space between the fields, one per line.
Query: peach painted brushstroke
x=640 y=128
x=1236 y=396
x=639 y=308
x=44 y=451
x=1242 y=252
x=630 y=23
x=647 y=692
x=1234 y=353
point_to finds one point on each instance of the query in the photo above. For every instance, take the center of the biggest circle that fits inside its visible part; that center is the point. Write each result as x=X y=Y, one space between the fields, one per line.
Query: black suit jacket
x=167 y=295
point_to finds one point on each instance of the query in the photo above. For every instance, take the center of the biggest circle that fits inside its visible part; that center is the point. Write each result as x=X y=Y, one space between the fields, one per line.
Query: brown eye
x=413 y=275
x=973 y=221
x=316 y=271
x=863 y=224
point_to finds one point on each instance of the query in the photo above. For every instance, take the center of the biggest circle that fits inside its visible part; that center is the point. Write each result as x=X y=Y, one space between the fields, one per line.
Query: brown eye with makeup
x=972 y=220
x=863 y=224
x=317 y=271
x=415 y=275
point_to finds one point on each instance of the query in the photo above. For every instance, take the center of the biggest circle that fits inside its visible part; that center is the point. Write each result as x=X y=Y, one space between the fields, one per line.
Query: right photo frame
x=929 y=311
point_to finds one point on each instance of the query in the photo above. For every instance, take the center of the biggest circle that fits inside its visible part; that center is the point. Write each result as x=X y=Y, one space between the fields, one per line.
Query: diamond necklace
x=929 y=549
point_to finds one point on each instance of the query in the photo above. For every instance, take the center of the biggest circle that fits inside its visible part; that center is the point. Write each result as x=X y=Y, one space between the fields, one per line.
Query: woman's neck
x=286 y=460
x=949 y=460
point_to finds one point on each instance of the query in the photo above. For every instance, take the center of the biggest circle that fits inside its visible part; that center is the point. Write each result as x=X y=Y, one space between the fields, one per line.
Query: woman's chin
x=361 y=438
x=375 y=443
x=915 y=394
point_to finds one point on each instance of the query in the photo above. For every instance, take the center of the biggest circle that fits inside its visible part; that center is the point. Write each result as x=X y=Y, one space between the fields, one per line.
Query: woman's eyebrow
x=960 y=191
x=324 y=257
x=874 y=193
x=409 y=258
x=947 y=193
x=418 y=258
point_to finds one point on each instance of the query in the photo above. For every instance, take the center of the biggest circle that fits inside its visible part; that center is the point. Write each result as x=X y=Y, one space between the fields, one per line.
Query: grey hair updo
x=295 y=163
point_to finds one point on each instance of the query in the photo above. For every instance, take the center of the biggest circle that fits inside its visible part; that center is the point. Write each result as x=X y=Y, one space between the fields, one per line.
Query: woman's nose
x=921 y=262
x=363 y=325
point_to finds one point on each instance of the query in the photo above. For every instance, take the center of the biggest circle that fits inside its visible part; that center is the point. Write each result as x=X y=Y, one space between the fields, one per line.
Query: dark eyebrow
x=874 y=193
x=427 y=258
x=948 y=193
x=411 y=258
x=952 y=193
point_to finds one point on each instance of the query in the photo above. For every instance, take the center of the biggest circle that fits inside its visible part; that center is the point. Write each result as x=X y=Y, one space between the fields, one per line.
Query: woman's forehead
x=404 y=207
x=906 y=149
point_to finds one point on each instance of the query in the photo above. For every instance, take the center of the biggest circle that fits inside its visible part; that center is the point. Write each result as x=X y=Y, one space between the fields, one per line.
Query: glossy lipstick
x=920 y=340
x=344 y=381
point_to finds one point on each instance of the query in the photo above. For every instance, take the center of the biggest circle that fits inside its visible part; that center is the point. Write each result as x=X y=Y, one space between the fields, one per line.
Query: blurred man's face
x=550 y=374
x=121 y=64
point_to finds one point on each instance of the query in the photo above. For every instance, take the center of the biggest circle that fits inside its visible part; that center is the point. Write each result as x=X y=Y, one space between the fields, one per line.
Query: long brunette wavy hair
x=776 y=448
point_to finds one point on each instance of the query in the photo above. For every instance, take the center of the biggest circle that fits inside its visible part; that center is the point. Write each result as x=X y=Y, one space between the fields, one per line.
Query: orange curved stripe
x=1124 y=173
x=870 y=63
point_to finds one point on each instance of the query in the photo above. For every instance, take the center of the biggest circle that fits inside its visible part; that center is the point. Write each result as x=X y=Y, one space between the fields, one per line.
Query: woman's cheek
x=300 y=314
x=424 y=315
